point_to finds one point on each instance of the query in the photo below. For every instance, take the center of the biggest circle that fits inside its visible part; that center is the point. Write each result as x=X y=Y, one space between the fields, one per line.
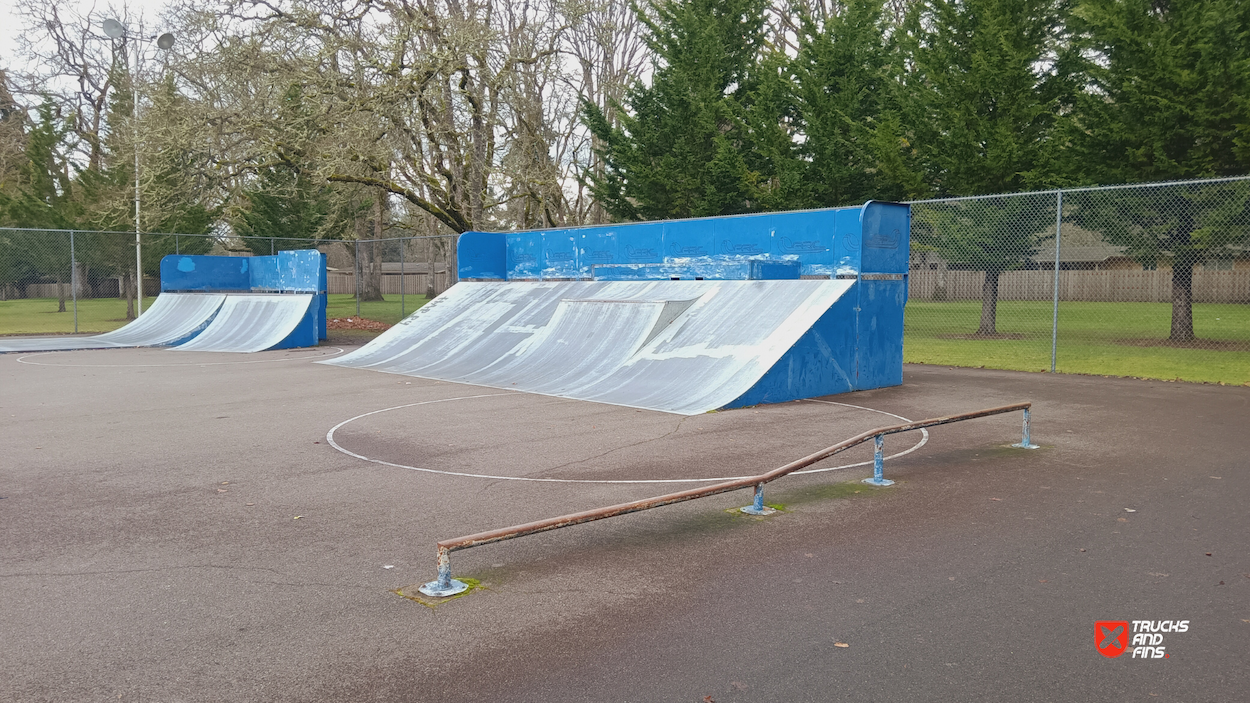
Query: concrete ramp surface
x=252 y=323
x=684 y=347
x=172 y=318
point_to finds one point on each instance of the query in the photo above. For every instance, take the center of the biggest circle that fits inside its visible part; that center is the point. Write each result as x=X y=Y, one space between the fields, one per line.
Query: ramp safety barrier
x=445 y=585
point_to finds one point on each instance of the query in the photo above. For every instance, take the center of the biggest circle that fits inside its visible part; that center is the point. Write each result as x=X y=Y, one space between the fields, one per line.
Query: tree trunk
x=128 y=290
x=430 y=290
x=60 y=294
x=453 y=272
x=371 y=258
x=989 y=305
x=1182 y=301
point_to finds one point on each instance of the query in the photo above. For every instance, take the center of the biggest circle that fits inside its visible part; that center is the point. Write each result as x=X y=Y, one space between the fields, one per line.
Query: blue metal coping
x=837 y=242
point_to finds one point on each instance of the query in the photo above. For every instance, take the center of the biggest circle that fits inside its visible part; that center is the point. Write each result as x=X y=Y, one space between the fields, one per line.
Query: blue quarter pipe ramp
x=737 y=327
x=219 y=303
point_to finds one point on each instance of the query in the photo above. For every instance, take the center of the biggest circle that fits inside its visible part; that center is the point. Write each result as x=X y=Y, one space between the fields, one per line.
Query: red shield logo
x=1111 y=637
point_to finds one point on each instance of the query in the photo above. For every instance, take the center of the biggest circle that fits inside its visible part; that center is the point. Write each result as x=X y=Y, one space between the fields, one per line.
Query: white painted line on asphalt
x=330 y=440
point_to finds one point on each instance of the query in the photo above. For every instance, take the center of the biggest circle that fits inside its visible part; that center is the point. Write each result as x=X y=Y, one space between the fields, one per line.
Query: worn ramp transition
x=678 y=346
x=172 y=318
x=254 y=322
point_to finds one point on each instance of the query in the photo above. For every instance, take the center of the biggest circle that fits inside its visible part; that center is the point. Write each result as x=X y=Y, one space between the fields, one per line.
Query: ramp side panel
x=251 y=323
x=879 y=361
x=821 y=362
x=172 y=318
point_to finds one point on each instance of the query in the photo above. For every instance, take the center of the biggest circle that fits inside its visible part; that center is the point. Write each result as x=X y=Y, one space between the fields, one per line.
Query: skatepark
x=187 y=525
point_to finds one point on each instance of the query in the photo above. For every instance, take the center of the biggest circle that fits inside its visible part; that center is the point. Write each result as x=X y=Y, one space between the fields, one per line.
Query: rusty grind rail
x=446 y=586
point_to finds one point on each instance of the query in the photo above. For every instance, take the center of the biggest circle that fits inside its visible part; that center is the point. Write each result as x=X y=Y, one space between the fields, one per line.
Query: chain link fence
x=1147 y=280
x=65 y=282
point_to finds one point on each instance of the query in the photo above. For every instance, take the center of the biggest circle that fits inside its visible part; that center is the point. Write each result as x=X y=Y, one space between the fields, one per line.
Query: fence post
x=1054 y=314
x=73 y=278
x=357 y=277
x=177 y=246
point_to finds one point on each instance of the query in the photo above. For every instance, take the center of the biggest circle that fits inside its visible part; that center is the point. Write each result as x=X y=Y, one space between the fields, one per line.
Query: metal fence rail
x=445 y=585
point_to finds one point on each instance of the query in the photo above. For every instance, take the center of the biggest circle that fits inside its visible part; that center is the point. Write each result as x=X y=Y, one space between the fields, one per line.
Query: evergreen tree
x=1170 y=100
x=850 y=109
x=992 y=78
x=688 y=144
x=41 y=197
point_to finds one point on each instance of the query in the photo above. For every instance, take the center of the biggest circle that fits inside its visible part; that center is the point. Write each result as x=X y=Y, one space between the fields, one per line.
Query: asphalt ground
x=175 y=527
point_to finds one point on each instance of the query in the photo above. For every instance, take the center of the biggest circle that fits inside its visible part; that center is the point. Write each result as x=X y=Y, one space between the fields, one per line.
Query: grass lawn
x=1108 y=339
x=388 y=311
x=39 y=316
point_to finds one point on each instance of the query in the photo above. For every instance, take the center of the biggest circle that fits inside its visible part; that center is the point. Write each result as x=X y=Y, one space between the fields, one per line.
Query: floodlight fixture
x=114 y=29
x=165 y=41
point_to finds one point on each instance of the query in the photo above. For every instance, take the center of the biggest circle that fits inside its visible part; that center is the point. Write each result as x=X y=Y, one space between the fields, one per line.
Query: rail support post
x=758 y=507
x=1024 y=440
x=878 y=458
x=445 y=585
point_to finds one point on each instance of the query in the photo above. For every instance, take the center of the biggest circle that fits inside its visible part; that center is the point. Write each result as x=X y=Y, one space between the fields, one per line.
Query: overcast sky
x=11 y=25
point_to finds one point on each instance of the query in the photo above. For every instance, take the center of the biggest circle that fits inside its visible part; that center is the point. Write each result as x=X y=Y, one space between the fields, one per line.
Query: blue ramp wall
x=856 y=345
x=836 y=242
x=300 y=271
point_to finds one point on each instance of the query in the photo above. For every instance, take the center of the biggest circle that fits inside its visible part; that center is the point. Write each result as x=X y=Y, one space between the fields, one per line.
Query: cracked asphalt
x=176 y=527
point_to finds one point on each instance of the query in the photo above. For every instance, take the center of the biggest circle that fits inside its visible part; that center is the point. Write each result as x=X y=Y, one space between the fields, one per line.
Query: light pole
x=117 y=30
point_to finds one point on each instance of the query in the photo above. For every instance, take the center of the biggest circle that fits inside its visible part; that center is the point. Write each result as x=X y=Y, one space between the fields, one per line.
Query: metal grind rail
x=446 y=586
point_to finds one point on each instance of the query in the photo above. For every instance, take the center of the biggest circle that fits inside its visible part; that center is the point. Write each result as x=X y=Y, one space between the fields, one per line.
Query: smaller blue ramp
x=257 y=322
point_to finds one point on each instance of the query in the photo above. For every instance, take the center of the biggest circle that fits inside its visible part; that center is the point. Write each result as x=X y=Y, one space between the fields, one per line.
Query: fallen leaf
x=225 y=483
x=809 y=555
x=1129 y=510
x=1217 y=477
x=388 y=566
x=1082 y=550
x=251 y=504
x=1121 y=519
x=1208 y=553
x=300 y=516
x=841 y=644
x=995 y=498
x=1042 y=581
x=708 y=699
x=221 y=490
